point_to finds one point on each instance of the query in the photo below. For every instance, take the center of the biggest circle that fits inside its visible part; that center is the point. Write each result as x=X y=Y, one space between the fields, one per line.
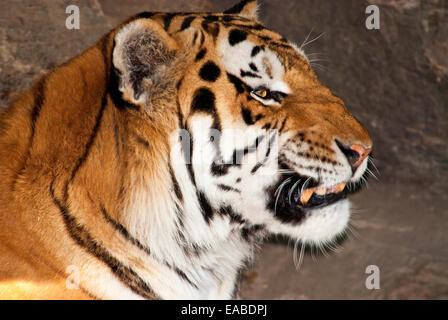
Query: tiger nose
x=362 y=153
x=355 y=153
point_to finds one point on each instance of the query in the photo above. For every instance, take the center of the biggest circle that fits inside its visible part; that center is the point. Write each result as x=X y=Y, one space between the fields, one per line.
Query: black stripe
x=78 y=233
x=189 y=160
x=195 y=37
x=204 y=100
x=248 y=74
x=185 y=277
x=256 y=50
x=192 y=249
x=236 y=36
x=39 y=99
x=225 y=187
x=238 y=7
x=176 y=186
x=256 y=167
x=145 y=15
x=247 y=27
x=239 y=154
x=267 y=126
x=277 y=96
x=89 y=144
x=179 y=114
x=124 y=232
x=255 y=26
x=253 y=67
x=206 y=208
x=218 y=169
x=186 y=23
x=211 y=18
x=179 y=84
x=282 y=45
x=117 y=141
x=210 y=71
x=167 y=20
x=228 y=19
x=247 y=116
x=239 y=85
x=265 y=38
x=105 y=53
x=38 y=102
x=201 y=54
x=266 y=156
x=142 y=141
x=211 y=28
x=249 y=233
x=202 y=39
x=282 y=126
x=234 y=217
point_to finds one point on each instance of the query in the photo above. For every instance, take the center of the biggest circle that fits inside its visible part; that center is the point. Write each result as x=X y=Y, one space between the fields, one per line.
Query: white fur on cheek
x=360 y=170
x=321 y=225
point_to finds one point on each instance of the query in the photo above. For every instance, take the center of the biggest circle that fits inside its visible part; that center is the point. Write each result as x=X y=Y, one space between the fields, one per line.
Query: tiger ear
x=245 y=8
x=143 y=54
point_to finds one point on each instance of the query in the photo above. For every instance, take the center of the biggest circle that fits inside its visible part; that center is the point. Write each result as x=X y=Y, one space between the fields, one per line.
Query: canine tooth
x=321 y=191
x=341 y=186
x=306 y=195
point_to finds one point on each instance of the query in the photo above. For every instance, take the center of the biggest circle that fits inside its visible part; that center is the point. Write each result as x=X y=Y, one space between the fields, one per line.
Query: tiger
x=154 y=164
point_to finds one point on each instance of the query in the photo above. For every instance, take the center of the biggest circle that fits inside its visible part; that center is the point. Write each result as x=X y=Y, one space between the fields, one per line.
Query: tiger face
x=263 y=143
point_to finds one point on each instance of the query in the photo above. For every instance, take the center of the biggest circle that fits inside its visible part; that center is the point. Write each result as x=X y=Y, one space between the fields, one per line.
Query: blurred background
x=394 y=80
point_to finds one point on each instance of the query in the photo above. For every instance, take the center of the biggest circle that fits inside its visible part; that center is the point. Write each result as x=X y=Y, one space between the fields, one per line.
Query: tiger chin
x=151 y=165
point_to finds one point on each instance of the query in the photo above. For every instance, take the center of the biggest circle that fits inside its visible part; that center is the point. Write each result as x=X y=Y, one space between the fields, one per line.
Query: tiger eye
x=262 y=93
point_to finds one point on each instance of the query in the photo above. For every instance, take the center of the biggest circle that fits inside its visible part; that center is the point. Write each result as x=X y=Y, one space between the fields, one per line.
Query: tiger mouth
x=295 y=195
x=312 y=198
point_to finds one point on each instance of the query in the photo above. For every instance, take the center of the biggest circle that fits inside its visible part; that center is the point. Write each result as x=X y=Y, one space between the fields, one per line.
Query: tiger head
x=260 y=142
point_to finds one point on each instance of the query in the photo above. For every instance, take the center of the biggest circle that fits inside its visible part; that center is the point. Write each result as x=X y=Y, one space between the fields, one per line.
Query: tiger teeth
x=321 y=191
x=306 y=195
x=340 y=186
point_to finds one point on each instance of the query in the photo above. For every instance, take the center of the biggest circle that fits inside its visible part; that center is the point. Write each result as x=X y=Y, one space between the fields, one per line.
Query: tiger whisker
x=311 y=41
x=278 y=192
x=323 y=250
x=372 y=174
x=305 y=185
x=298 y=262
x=317 y=60
x=292 y=190
x=319 y=66
x=373 y=165
x=307 y=37
x=314 y=54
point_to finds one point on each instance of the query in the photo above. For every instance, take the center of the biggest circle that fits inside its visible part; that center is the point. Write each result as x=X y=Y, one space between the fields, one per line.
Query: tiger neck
x=163 y=206
x=166 y=213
